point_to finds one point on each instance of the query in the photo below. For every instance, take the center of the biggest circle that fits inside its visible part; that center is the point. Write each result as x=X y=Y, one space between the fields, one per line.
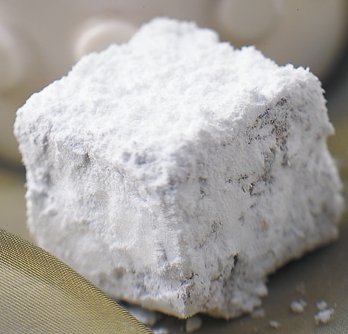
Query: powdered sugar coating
x=177 y=172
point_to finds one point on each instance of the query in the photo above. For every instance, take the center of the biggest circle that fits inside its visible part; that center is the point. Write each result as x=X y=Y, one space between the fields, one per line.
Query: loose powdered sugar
x=298 y=306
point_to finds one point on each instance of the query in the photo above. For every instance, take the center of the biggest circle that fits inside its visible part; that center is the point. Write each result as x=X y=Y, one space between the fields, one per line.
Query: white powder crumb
x=147 y=317
x=324 y=316
x=258 y=313
x=274 y=324
x=193 y=324
x=161 y=330
x=322 y=305
x=298 y=306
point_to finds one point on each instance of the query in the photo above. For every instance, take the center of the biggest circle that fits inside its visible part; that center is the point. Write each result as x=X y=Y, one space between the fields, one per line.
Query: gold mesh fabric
x=40 y=294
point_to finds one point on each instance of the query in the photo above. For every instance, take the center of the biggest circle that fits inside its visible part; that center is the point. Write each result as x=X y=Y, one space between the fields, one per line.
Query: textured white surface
x=298 y=306
x=177 y=172
x=274 y=324
x=324 y=316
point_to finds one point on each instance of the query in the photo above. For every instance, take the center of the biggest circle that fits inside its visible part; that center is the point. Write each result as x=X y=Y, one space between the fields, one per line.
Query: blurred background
x=40 y=40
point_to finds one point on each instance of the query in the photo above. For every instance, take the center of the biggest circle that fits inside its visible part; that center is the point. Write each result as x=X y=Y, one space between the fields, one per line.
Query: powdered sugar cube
x=177 y=172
